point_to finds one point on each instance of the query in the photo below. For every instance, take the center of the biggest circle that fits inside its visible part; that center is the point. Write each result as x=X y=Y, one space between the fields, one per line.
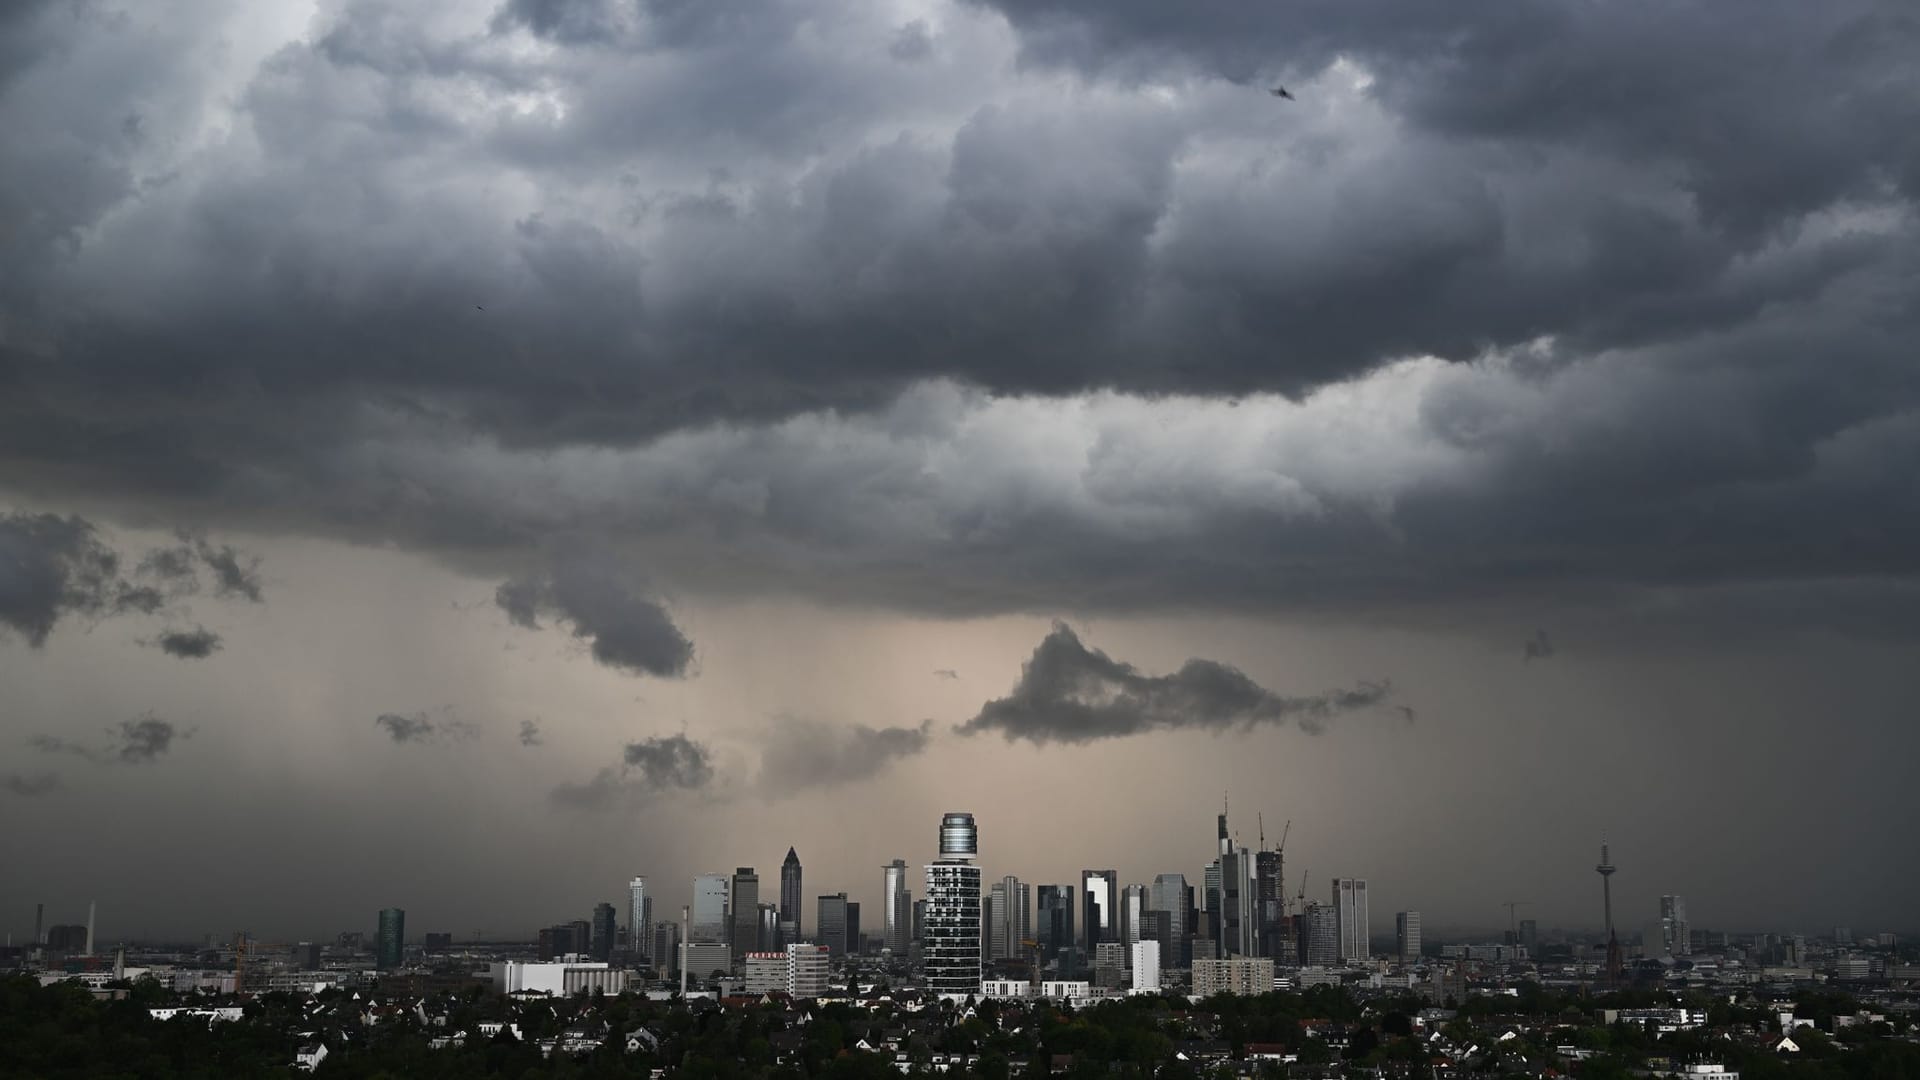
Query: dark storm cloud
x=30 y=785
x=626 y=629
x=195 y=644
x=530 y=734
x=800 y=754
x=655 y=766
x=139 y=741
x=1644 y=248
x=422 y=727
x=1069 y=693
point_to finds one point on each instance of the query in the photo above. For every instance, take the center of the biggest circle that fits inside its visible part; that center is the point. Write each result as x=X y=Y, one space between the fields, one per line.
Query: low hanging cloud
x=234 y=573
x=30 y=785
x=651 y=767
x=800 y=754
x=195 y=644
x=422 y=727
x=138 y=741
x=627 y=629
x=52 y=567
x=1069 y=693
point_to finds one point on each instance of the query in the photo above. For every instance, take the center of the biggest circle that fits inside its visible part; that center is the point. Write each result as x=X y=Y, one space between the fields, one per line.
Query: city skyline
x=714 y=890
x=462 y=454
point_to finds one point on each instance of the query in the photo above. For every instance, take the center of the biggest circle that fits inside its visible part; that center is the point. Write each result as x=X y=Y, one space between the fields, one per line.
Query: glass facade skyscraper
x=951 y=934
x=390 y=944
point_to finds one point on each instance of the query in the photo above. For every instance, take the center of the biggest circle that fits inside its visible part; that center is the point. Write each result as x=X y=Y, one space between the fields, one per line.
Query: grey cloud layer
x=1070 y=693
x=1669 y=279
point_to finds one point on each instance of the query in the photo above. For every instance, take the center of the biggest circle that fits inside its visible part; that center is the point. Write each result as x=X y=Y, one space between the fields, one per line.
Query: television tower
x=1606 y=871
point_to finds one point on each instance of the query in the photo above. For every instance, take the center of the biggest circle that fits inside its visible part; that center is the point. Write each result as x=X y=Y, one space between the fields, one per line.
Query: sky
x=461 y=454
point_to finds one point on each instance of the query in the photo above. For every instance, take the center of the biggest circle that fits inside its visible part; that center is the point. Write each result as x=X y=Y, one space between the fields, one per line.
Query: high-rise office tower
x=790 y=900
x=1099 y=895
x=639 y=918
x=1530 y=936
x=830 y=923
x=1319 y=935
x=855 y=946
x=770 y=938
x=1269 y=901
x=1239 y=921
x=709 y=922
x=1053 y=920
x=1169 y=894
x=952 y=934
x=1406 y=931
x=1133 y=915
x=666 y=949
x=896 y=908
x=1350 y=911
x=390 y=944
x=1010 y=917
x=919 y=920
x=602 y=938
x=1673 y=910
x=744 y=903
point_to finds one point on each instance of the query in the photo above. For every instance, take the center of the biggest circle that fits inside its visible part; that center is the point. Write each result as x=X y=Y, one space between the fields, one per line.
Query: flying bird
x=1281 y=92
x=477 y=307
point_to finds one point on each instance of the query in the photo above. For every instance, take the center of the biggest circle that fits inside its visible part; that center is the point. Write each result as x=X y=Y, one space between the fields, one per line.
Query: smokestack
x=89 y=928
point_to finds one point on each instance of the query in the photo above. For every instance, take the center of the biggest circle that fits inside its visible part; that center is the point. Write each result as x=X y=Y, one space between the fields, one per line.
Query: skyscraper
x=1053 y=920
x=1099 y=895
x=1350 y=913
x=1169 y=893
x=896 y=908
x=639 y=918
x=790 y=900
x=709 y=909
x=831 y=923
x=744 y=903
x=666 y=948
x=770 y=937
x=1010 y=914
x=603 y=926
x=1530 y=936
x=1673 y=911
x=1269 y=901
x=855 y=946
x=952 y=934
x=1239 y=921
x=1133 y=914
x=390 y=944
x=1319 y=935
x=1406 y=931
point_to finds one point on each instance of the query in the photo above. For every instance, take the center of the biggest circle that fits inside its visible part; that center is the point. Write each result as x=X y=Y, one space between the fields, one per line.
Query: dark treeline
x=64 y=1031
